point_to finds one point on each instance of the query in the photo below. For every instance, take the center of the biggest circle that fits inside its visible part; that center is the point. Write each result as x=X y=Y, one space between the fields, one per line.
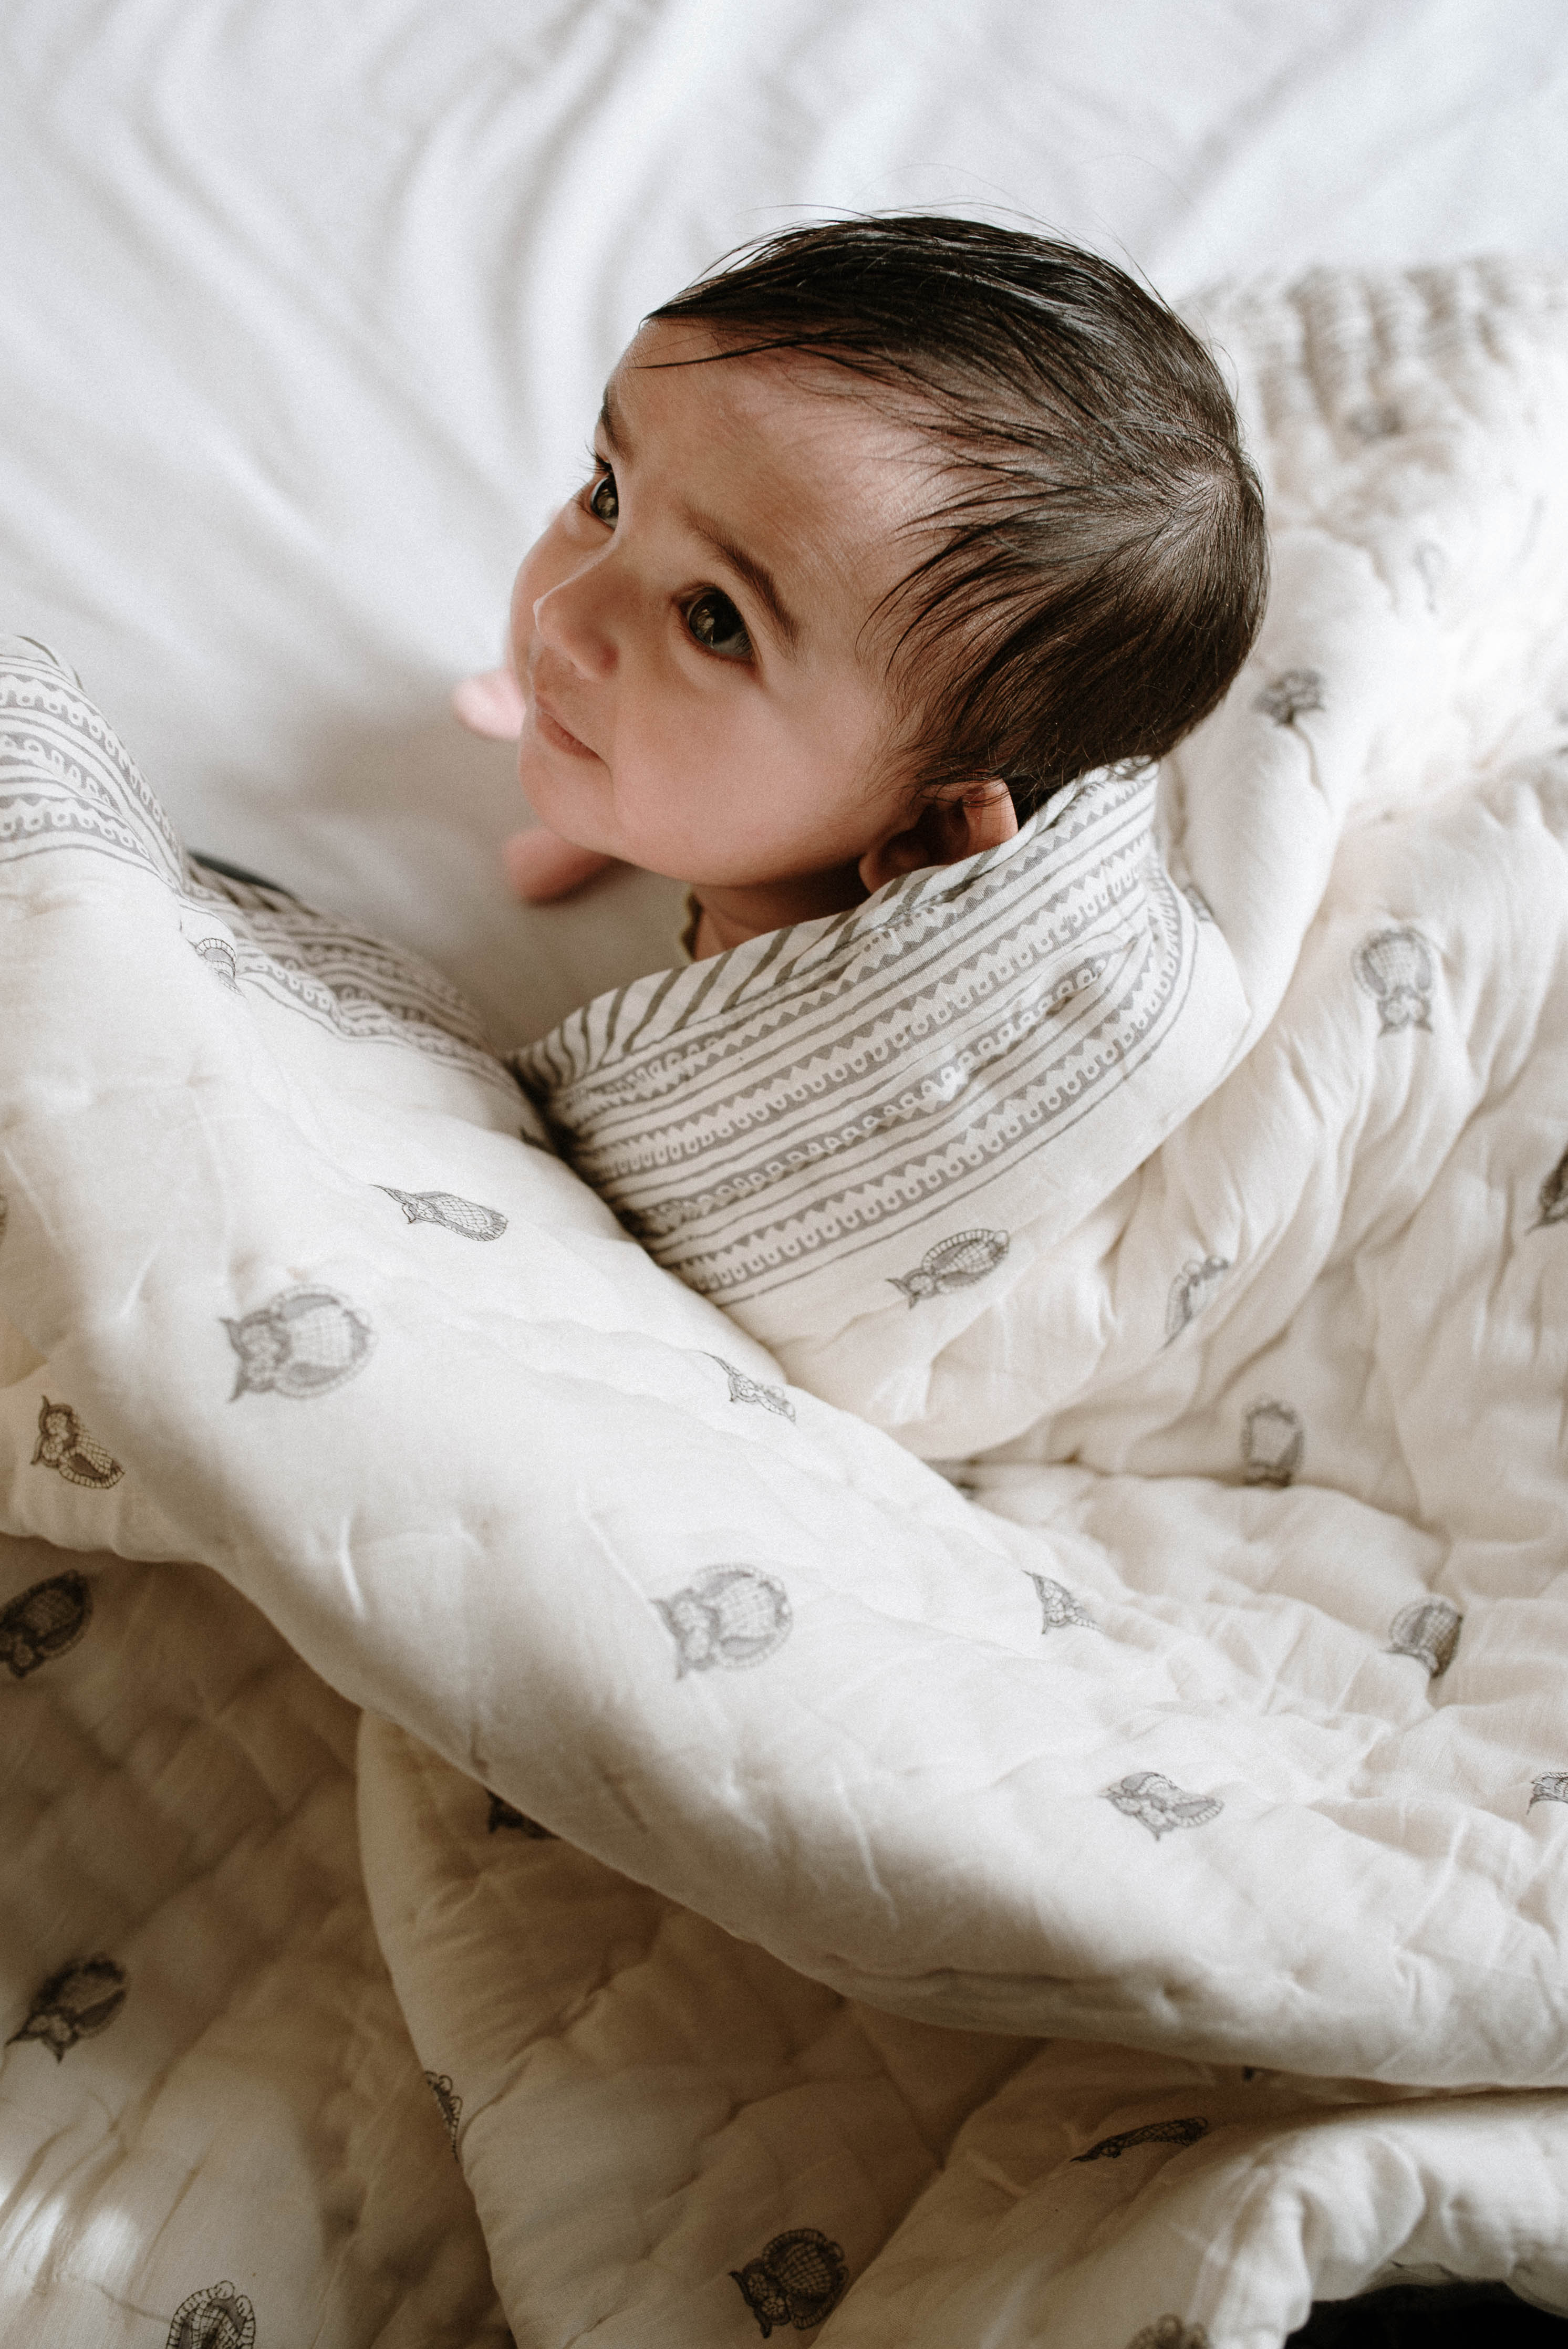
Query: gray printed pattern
x=220 y=959
x=1273 y=1443
x=44 y=1621
x=65 y=1446
x=1295 y=693
x=467 y=1217
x=302 y=1343
x=351 y=984
x=1191 y=1290
x=753 y=1119
x=1397 y=971
x=1427 y=1630
x=745 y=1389
x=957 y=1262
x=1059 y=1610
x=797 y=2280
x=729 y=1617
x=217 y=2317
x=67 y=782
x=1161 y=1806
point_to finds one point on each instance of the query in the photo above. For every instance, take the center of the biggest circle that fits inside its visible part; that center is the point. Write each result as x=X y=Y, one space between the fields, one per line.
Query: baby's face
x=705 y=688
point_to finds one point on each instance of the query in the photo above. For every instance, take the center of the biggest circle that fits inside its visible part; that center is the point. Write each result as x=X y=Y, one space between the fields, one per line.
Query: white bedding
x=1223 y=1738
x=303 y=325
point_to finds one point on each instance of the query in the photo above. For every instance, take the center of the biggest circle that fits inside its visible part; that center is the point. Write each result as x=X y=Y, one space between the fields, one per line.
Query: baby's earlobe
x=946 y=831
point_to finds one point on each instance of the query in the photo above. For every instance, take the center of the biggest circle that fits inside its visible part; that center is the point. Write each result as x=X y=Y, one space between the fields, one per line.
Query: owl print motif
x=1428 y=1629
x=466 y=1217
x=302 y=1343
x=1273 y=1442
x=65 y=1446
x=217 y=2317
x=730 y=1618
x=44 y=1621
x=1396 y=968
x=1295 y=693
x=955 y=1262
x=79 y=2001
x=1191 y=1290
x=797 y=2280
x=1059 y=1610
x=745 y=1389
x=220 y=959
x=1161 y=1806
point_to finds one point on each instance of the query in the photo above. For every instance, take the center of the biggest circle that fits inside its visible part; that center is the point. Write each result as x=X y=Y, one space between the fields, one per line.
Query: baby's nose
x=573 y=619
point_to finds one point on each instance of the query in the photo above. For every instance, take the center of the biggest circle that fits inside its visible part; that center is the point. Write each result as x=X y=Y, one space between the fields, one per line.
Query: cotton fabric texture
x=1118 y=1879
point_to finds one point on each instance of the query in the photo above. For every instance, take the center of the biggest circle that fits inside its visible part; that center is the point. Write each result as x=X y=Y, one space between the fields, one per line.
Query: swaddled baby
x=895 y=527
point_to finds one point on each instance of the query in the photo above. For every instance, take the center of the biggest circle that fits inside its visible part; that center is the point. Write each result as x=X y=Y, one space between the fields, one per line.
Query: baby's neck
x=730 y=916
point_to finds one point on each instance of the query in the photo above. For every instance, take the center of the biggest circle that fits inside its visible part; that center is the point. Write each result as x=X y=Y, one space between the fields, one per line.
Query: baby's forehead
x=821 y=463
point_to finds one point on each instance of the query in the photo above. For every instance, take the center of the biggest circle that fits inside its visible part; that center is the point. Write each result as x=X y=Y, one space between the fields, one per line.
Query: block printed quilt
x=950 y=1531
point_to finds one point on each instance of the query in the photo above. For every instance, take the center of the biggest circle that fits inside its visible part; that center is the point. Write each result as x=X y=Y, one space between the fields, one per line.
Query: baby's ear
x=959 y=823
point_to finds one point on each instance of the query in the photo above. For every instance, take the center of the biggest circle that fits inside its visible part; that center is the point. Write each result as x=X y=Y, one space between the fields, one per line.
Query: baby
x=895 y=527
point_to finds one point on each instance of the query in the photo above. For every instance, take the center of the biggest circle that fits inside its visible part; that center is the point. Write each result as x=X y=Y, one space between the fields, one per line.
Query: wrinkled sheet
x=304 y=328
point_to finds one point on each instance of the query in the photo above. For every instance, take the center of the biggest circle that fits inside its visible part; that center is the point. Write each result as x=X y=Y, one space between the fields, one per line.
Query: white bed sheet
x=305 y=313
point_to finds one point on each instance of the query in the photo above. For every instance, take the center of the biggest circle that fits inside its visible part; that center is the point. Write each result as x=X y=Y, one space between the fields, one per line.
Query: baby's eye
x=604 y=498
x=714 y=623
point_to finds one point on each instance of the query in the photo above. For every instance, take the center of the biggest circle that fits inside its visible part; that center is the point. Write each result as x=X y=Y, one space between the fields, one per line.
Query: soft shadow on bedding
x=398 y=823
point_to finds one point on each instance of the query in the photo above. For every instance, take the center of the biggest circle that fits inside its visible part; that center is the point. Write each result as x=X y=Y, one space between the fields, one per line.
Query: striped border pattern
x=67 y=782
x=66 y=778
x=824 y=1089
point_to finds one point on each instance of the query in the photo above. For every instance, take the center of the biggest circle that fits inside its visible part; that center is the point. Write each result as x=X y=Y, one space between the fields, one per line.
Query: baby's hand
x=490 y=704
x=540 y=864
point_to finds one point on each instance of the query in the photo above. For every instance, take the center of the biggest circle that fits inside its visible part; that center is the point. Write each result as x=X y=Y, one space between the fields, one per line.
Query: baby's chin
x=576 y=803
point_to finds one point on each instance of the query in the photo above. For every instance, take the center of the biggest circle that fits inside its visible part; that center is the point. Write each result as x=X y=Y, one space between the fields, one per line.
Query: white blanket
x=1221 y=1748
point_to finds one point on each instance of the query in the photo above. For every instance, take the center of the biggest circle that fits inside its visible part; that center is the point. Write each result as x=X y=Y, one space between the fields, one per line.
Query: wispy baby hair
x=1094 y=571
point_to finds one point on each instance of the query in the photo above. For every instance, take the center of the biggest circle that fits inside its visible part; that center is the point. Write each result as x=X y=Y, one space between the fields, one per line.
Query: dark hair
x=1100 y=566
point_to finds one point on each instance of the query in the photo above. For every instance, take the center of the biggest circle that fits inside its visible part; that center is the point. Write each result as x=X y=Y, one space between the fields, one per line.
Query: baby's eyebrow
x=608 y=424
x=757 y=575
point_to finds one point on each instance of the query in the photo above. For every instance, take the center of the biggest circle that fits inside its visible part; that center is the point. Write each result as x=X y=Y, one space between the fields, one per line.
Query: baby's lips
x=490 y=704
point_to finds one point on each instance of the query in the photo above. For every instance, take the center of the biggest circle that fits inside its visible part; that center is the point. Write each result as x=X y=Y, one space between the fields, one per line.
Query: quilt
x=947 y=1532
